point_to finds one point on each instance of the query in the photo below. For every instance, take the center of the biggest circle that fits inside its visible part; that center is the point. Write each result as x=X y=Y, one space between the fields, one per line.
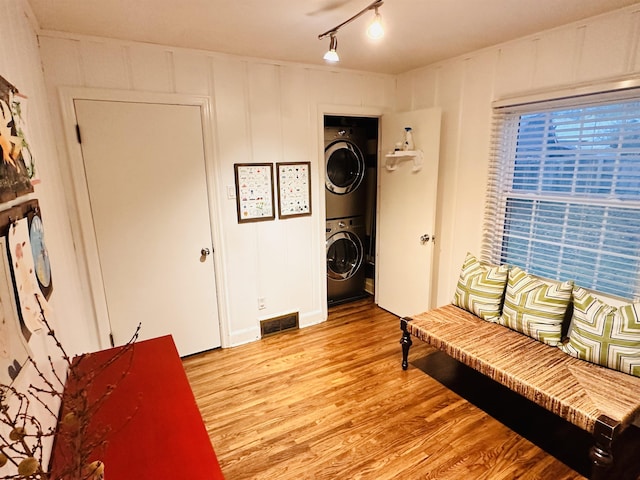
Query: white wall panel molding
x=634 y=51
x=246 y=335
x=150 y=69
x=556 y=57
x=104 y=65
x=516 y=67
x=51 y=34
x=190 y=72
x=425 y=96
x=606 y=47
x=232 y=130
x=474 y=130
x=62 y=61
x=450 y=98
x=311 y=318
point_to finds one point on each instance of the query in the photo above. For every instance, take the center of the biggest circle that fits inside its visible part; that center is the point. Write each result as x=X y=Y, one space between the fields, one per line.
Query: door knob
x=204 y=252
x=425 y=238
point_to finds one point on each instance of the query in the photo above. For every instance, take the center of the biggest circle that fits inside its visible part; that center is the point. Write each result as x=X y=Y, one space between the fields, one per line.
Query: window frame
x=501 y=177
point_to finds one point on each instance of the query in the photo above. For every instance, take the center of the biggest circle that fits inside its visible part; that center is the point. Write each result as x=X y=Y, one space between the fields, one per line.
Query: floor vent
x=279 y=324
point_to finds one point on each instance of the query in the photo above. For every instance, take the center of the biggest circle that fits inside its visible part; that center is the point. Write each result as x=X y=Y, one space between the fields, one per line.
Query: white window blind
x=564 y=191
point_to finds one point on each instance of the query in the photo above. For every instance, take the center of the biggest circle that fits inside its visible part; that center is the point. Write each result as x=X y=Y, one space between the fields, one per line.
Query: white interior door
x=145 y=173
x=406 y=213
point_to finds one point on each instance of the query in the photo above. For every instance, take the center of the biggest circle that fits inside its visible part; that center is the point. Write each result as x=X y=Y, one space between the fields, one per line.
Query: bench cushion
x=604 y=334
x=578 y=391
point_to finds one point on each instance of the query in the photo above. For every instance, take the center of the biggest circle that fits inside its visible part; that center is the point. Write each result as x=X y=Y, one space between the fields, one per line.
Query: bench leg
x=601 y=462
x=406 y=343
x=601 y=453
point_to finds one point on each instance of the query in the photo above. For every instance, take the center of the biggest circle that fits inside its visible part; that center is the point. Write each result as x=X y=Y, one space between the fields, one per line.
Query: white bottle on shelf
x=408 y=139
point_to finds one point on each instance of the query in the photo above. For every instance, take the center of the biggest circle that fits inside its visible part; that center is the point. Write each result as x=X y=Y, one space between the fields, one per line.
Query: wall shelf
x=392 y=159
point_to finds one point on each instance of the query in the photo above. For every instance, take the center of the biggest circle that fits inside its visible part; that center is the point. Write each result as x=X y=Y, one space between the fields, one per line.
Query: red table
x=156 y=427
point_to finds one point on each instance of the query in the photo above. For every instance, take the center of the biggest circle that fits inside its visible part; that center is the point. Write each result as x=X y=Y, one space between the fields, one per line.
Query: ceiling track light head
x=375 y=30
x=333 y=44
x=332 y=54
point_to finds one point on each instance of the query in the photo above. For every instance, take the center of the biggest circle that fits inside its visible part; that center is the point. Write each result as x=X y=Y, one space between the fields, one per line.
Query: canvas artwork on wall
x=25 y=285
x=17 y=167
x=14 y=349
x=28 y=293
x=40 y=253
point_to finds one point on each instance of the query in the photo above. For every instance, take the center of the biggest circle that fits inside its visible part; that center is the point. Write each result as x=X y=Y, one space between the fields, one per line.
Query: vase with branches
x=79 y=440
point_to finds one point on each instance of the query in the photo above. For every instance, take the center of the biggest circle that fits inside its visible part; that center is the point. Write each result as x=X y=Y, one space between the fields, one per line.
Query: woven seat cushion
x=604 y=334
x=573 y=389
x=480 y=288
x=535 y=307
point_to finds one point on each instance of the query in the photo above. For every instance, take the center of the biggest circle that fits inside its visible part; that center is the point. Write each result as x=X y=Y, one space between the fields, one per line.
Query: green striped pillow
x=604 y=334
x=534 y=307
x=480 y=289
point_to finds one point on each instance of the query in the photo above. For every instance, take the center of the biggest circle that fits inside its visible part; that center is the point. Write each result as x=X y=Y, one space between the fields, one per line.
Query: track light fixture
x=374 y=30
x=332 y=54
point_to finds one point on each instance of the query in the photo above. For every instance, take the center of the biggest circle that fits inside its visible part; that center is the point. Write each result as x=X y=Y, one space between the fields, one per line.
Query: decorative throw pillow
x=535 y=307
x=480 y=289
x=604 y=334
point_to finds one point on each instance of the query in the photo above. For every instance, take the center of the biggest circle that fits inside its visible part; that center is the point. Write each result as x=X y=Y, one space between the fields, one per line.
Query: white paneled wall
x=20 y=65
x=262 y=112
x=268 y=112
x=589 y=52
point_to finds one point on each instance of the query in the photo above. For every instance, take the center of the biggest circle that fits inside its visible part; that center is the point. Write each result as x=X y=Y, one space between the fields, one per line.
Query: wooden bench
x=602 y=401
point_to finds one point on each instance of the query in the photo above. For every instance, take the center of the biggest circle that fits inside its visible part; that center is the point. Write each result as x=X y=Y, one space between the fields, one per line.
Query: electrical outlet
x=261 y=303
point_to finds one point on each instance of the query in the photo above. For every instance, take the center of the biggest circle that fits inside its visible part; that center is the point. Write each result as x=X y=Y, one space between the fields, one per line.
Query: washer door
x=344 y=255
x=345 y=167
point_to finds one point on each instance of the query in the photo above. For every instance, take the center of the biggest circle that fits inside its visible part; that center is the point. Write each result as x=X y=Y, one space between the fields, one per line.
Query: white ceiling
x=418 y=32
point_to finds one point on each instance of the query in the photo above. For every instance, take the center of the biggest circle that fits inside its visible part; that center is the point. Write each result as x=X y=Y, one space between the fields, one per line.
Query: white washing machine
x=345 y=169
x=345 y=259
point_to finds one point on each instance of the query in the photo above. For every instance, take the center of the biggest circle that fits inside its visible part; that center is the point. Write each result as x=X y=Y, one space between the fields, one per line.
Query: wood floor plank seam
x=331 y=401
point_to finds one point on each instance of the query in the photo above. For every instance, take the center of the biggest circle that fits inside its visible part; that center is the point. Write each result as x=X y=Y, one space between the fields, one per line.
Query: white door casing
x=134 y=215
x=322 y=111
x=407 y=194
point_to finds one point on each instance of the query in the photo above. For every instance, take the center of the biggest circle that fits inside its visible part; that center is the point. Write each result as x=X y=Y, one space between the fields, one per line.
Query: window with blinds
x=564 y=192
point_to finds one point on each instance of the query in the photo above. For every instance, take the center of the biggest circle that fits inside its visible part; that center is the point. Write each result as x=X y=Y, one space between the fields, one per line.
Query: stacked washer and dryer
x=346 y=207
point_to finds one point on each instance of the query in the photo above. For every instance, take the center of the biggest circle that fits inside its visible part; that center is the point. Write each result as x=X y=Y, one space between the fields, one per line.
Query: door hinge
x=113 y=344
x=78 y=134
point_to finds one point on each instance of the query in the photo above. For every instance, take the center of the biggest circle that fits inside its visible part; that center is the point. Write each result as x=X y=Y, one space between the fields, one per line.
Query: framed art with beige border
x=254 y=192
x=294 y=189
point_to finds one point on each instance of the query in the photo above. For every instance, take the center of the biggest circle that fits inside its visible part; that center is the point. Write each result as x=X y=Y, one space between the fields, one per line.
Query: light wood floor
x=332 y=402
